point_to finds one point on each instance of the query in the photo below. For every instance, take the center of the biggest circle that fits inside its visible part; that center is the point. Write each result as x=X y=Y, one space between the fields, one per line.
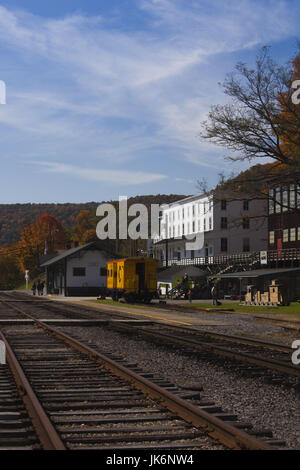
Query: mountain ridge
x=13 y=217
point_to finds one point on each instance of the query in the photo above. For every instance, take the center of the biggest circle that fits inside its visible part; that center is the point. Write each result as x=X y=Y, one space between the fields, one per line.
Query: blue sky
x=105 y=98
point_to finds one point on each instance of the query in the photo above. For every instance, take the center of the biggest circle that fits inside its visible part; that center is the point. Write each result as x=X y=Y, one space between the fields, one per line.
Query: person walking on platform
x=214 y=295
x=39 y=287
x=33 y=288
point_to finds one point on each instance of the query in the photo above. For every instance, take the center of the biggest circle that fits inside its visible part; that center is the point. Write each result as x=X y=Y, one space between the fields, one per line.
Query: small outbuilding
x=79 y=271
x=261 y=280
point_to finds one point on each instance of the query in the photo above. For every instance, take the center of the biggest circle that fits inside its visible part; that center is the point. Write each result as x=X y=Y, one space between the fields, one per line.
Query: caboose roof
x=129 y=259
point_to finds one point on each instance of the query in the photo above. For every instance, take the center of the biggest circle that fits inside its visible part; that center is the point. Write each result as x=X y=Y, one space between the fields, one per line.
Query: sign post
x=26 y=277
x=263 y=257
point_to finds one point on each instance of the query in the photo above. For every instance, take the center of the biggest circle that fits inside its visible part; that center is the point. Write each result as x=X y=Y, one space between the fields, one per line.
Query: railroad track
x=78 y=398
x=16 y=429
x=259 y=356
x=41 y=305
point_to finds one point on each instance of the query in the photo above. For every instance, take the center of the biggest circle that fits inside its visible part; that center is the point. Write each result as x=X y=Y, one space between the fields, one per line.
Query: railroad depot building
x=284 y=217
x=227 y=227
x=79 y=271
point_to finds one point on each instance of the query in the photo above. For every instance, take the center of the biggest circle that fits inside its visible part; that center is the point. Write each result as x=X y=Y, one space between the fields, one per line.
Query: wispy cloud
x=119 y=177
x=91 y=93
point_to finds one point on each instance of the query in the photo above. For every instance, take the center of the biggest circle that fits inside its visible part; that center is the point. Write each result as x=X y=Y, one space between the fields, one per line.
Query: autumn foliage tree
x=45 y=236
x=10 y=273
x=85 y=229
x=289 y=121
x=260 y=122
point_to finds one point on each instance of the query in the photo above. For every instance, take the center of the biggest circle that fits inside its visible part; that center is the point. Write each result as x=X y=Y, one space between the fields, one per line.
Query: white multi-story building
x=224 y=227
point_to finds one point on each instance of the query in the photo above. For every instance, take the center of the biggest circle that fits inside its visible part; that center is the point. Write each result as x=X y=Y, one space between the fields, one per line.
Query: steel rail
x=45 y=430
x=219 y=430
x=194 y=332
x=270 y=364
x=229 y=338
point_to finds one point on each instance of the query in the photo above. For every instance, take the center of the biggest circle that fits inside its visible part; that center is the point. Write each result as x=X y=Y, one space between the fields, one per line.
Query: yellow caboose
x=134 y=279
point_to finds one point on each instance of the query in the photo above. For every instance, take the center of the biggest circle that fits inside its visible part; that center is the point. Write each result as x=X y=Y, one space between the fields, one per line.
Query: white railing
x=273 y=256
x=211 y=260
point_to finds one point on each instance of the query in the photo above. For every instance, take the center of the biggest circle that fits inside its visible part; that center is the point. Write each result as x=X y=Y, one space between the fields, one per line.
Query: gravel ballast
x=265 y=406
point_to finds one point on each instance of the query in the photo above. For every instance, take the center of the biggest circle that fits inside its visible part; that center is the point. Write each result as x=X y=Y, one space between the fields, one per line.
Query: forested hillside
x=14 y=217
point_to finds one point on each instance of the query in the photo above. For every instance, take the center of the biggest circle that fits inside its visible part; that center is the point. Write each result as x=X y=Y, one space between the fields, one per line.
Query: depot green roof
x=275 y=272
x=66 y=254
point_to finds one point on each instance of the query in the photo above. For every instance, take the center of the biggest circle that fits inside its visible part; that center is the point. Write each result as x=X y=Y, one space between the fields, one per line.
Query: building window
x=223 y=205
x=193 y=227
x=246 y=205
x=193 y=211
x=79 y=272
x=246 y=223
x=285 y=235
x=298 y=196
x=182 y=229
x=224 y=244
x=103 y=272
x=278 y=201
x=292 y=234
x=271 y=201
x=271 y=237
x=246 y=244
x=210 y=223
x=284 y=199
x=292 y=196
x=223 y=222
x=183 y=212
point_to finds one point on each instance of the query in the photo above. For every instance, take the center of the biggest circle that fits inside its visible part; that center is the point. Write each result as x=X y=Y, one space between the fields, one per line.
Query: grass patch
x=293 y=308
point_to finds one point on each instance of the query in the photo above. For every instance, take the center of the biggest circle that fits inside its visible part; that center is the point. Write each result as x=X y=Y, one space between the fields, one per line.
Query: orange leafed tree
x=46 y=235
x=85 y=229
x=260 y=121
x=289 y=120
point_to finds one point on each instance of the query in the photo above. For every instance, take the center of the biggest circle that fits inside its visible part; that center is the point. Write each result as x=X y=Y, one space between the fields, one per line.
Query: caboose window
x=79 y=272
x=103 y=272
